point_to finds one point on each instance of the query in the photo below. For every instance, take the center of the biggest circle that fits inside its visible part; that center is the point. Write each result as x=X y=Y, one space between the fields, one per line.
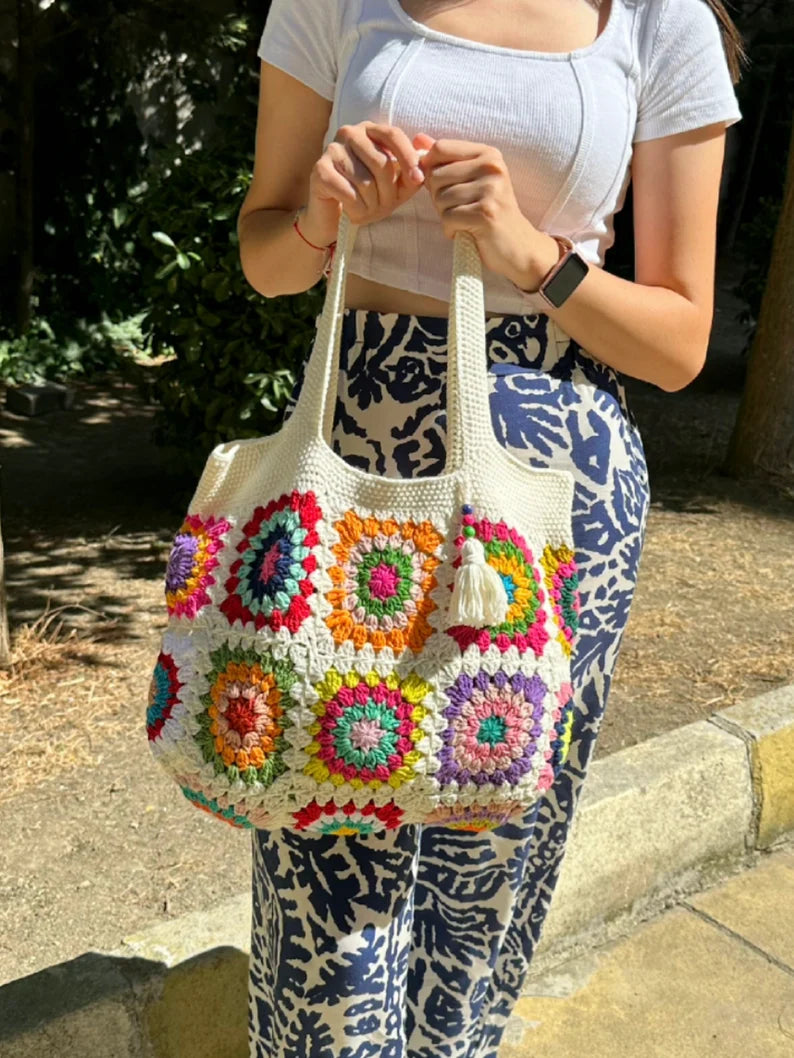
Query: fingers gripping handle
x=468 y=413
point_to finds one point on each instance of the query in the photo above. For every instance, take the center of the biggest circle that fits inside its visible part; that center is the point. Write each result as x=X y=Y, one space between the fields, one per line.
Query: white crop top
x=565 y=122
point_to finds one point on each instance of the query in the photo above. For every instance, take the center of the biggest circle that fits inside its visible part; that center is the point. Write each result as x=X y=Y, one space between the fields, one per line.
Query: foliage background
x=143 y=124
x=140 y=171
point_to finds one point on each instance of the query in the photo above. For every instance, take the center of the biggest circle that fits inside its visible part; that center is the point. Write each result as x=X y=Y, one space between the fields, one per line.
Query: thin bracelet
x=329 y=250
x=330 y=262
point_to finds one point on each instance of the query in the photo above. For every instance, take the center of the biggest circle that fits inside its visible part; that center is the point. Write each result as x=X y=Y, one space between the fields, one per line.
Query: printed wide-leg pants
x=415 y=942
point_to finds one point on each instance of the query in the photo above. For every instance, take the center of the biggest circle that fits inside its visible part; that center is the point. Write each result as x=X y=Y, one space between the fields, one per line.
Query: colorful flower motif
x=193 y=557
x=562 y=584
x=211 y=806
x=563 y=726
x=347 y=820
x=476 y=817
x=232 y=809
x=270 y=583
x=382 y=582
x=367 y=729
x=508 y=553
x=241 y=729
x=163 y=695
x=493 y=727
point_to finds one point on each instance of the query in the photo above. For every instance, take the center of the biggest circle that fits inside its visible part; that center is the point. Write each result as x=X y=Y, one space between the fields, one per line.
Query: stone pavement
x=698 y=821
x=712 y=976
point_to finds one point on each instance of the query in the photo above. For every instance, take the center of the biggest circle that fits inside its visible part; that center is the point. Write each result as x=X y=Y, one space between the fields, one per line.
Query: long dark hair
x=731 y=40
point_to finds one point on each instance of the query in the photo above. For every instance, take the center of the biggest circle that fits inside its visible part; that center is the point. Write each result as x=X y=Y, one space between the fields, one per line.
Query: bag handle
x=469 y=431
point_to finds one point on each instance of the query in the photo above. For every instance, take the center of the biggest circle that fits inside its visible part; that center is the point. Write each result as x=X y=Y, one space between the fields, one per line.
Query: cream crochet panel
x=310 y=675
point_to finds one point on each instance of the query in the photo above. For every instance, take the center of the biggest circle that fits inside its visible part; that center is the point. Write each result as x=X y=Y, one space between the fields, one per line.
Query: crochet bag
x=347 y=653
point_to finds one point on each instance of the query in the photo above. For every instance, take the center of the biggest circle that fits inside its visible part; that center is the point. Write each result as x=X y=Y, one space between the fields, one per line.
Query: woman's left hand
x=471 y=188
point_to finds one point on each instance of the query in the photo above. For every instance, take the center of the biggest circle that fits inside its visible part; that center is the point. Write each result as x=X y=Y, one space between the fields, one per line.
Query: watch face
x=566 y=280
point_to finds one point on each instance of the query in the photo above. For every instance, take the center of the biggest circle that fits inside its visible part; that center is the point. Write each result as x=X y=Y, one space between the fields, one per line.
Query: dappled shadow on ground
x=91 y=577
x=89 y=506
x=90 y=468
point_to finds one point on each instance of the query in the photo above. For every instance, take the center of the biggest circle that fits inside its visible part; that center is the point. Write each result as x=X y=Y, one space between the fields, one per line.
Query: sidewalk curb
x=766 y=725
x=675 y=813
x=656 y=821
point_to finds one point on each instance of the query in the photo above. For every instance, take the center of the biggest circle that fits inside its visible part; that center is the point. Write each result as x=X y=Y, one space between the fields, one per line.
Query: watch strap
x=567 y=250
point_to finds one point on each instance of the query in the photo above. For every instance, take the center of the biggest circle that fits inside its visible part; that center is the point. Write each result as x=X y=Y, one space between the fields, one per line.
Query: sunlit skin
x=655 y=327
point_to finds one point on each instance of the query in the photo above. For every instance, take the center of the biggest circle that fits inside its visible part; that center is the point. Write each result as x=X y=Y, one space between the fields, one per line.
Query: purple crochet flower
x=181 y=561
x=493 y=727
x=194 y=555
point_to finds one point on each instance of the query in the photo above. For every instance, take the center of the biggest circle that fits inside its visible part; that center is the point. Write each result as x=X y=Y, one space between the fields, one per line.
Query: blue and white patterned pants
x=415 y=942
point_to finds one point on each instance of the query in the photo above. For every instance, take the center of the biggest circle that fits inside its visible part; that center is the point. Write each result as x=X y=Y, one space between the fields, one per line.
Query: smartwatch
x=563 y=278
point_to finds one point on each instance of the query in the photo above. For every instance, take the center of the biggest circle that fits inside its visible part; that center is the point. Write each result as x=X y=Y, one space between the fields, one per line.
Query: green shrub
x=755 y=246
x=235 y=353
x=58 y=351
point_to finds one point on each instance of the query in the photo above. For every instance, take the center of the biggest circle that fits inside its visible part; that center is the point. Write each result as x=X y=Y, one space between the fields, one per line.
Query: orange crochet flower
x=245 y=707
x=382 y=581
x=242 y=726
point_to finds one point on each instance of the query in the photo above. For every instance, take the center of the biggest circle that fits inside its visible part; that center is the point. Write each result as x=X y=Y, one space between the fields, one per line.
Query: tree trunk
x=5 y=646
x=26 y=74
x=762 y=443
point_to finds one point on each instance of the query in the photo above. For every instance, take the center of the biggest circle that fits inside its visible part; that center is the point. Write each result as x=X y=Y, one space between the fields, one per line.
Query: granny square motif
x=347 y=653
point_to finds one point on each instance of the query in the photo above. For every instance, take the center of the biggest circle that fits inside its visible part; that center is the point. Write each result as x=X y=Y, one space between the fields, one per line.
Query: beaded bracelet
x=329 y=250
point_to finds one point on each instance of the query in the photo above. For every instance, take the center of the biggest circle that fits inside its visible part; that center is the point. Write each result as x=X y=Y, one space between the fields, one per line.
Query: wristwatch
x=563 y=278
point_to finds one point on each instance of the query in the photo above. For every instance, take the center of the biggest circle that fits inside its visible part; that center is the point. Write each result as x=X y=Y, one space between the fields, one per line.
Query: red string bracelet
x=328 y=249
x=294 y=224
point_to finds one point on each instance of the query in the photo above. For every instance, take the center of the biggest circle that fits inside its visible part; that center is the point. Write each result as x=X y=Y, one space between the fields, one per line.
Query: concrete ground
x=712 y=976
x=95 y=854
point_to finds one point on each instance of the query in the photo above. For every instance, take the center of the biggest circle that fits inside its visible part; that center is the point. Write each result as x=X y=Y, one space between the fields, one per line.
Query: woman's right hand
x=368 y=170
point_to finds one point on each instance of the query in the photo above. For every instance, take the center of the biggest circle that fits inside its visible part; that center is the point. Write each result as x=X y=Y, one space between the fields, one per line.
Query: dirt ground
x=89 y=508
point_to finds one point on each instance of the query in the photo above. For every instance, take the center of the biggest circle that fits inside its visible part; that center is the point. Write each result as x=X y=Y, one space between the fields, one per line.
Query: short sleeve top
x=565 y=122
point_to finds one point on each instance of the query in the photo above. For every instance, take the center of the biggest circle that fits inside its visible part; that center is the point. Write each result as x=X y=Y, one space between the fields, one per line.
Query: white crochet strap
x=468 y=414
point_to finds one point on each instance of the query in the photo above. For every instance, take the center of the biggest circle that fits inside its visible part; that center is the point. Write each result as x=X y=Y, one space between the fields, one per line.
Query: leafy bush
x=236 y=353
x=58 y=352
x=756 y=236
x=140 y=172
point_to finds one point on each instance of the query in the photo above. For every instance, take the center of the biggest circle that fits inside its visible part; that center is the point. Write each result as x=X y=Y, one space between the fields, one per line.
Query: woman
x=518 y=121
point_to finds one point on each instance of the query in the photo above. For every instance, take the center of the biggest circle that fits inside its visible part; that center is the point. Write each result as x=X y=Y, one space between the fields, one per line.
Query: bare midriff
x=362 y=293
x=527 y=24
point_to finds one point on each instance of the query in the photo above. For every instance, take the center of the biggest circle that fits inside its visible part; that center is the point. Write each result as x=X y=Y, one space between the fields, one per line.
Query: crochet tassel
x=478 y=596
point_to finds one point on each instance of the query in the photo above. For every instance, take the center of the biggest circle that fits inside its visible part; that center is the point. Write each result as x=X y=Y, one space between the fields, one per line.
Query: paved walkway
x=94 y=854
x=712 y=976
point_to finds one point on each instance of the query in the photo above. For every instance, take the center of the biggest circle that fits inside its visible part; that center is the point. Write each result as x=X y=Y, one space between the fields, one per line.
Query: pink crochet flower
x=193 y=557
x=525 y=625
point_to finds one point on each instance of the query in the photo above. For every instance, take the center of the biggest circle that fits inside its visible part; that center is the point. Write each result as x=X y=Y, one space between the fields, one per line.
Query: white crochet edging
x=242 y=475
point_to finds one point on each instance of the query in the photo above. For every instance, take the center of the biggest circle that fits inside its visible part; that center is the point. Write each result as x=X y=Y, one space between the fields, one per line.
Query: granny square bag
x=346 y=653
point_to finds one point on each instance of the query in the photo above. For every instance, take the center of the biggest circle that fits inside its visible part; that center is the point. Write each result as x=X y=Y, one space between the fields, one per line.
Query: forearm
x=274 y=258
x=648 y=332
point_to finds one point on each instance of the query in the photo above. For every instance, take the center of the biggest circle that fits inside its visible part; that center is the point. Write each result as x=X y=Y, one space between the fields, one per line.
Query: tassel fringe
x=479 y=598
